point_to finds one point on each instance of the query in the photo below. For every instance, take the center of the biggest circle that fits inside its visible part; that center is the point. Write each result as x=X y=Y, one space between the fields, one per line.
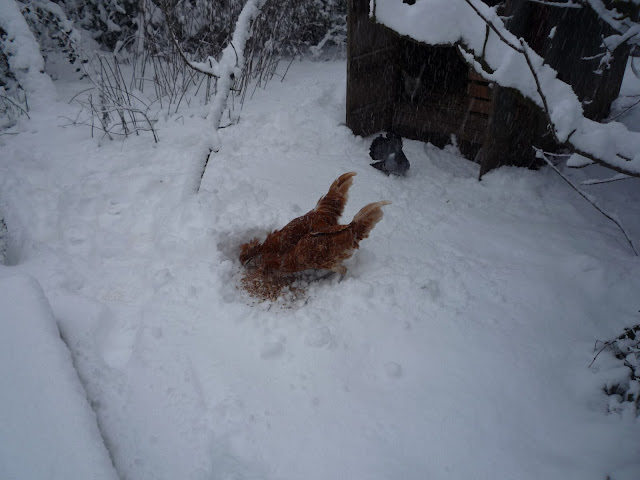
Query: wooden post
x=371 y=71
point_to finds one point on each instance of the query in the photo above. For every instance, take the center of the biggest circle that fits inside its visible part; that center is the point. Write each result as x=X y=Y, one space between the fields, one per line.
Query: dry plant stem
x=115 y=99
x=606 y=344
x=629 y=333
x=22 y=110
x=108 y=132
x=184 y=56
x=540 y=154
x=607 y=180
x=624 y=111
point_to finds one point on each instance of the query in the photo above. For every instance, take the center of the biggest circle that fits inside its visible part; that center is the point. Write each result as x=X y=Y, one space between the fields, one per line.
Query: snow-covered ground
x=457 y=346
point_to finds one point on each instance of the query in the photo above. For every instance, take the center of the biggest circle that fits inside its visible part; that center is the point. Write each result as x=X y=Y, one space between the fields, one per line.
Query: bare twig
x=117 y=105
x=547 y=112
x=14 y=104
x=625 y=110
x=493 y=27
x=184 y=56
x=540 y=154
x=617 y=178
x=108 y=131
x=605 y=345
x=550 y=3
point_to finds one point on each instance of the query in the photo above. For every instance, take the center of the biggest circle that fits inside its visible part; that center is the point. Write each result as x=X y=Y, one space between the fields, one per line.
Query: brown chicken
x=268 y=254
x=327 y=249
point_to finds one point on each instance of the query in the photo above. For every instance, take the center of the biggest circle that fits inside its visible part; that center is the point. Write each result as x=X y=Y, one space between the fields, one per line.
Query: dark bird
x=327 y=249
x=388 y=150
x=268 y=254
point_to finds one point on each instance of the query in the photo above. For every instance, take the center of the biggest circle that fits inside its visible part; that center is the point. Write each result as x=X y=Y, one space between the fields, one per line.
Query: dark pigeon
x=388 y=150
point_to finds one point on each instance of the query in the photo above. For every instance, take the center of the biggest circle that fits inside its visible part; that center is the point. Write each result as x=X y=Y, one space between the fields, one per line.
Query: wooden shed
x=429 y=93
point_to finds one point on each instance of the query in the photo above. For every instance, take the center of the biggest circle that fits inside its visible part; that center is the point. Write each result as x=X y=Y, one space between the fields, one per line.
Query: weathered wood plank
x=370 y=119
x=480 y=106
x=479 y=91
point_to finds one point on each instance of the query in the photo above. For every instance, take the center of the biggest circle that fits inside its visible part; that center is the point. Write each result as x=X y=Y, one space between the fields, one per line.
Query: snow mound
x=47 y=428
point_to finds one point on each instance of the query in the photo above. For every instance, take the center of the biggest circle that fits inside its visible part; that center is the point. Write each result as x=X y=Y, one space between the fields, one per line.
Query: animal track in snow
x=117 y=339
x=116 y=208
x=273 y=349
x=393 y=370
x=319 y=337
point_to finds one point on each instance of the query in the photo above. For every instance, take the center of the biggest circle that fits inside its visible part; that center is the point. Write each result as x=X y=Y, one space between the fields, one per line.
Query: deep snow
x=47 y=428
x=456 y=347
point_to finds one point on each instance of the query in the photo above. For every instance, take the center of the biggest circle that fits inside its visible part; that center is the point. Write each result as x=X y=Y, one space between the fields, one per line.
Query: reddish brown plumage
x=327 y=249
x=268 y=254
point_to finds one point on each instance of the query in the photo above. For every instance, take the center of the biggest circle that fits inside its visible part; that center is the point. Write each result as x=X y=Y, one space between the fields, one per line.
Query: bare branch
x=550 y=3
x=525 y=52
x=615 y=178
x=625 y=110
x=540 y=154
x=187 y=62
x=14 y=104
x=494 y=28
x=228 y=70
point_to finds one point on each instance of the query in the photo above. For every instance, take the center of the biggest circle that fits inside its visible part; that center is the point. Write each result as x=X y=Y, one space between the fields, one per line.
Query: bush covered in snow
x=152 y=37
x=12 y=96
x=53 y=30
x=624 y=389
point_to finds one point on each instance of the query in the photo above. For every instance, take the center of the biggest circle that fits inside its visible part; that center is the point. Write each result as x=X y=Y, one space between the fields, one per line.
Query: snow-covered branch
x=209 y=67
x=504 y=59
x=230 y=65
x=226 y=70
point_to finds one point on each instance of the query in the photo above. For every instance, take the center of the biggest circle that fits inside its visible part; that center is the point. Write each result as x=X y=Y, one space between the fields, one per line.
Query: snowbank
x=47 y=428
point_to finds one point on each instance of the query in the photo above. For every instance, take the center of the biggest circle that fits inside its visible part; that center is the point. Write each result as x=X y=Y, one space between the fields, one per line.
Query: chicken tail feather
x=367 y=218
x=336 y=198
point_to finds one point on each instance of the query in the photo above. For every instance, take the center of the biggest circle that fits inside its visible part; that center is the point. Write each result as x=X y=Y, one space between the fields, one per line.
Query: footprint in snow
x=161 y=278
x=393 y=370
x=116 y=339
x=115 y=208
x=319 y=337
x=272 y=349
x=75 y=236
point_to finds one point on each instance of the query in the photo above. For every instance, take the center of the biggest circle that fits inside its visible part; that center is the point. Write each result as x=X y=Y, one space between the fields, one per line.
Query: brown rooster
x=268 y=254
x=327 y=249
